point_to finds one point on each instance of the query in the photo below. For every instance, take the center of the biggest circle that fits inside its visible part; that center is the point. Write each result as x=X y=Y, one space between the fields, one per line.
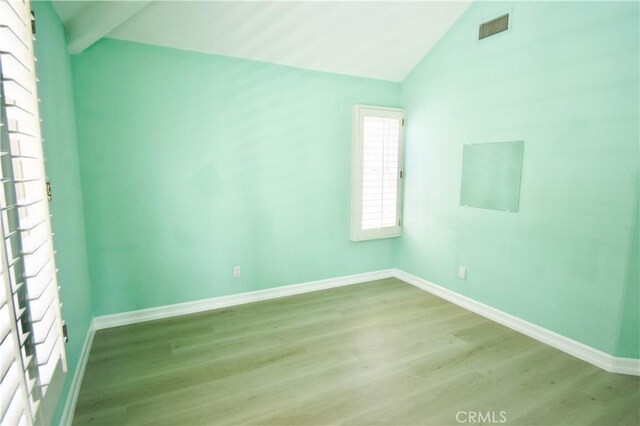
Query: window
x=31 y=329
x=376 y=172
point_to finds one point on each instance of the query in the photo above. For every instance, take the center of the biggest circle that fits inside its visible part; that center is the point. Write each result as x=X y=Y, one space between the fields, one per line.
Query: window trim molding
x=356 y=231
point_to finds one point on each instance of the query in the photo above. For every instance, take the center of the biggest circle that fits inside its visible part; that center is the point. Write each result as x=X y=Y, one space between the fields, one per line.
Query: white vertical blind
x=377 y=172
x=34 y=345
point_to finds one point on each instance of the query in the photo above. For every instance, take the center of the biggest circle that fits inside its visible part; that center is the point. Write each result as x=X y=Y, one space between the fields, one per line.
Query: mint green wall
x=61 y=150
x=193 y=163
x=629 y=339
x=565 y=80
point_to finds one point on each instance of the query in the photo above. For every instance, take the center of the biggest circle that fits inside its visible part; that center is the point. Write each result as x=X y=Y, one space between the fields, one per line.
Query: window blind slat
x=40 y=305
x=21 y=128
x=16 y=8
x=18 y=57
x=33 y=242
x=26 y=360
x=24 y=146
x=37 y=284
x=47 y=369
x=5 y=322
x=30 y=223
x=16 y=413
x=3 y=297
x=11 y=84
x=8 y=350
x=15 y=107
x=27 y=168
x=42 y=327
x=8 y=8
x=32 y=212
x=18 y=32
x=22 y=121
x=25 y=202
x=37 y=267
x=9 y=386
x=12 y=69
x=45 y=349
x=22 y=335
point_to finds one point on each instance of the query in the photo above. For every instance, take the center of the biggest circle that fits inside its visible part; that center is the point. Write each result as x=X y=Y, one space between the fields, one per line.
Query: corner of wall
x=628 y=343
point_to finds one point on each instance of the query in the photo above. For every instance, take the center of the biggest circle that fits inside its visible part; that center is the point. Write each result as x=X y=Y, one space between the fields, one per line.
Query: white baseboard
x=132 y=317
x=72 y=397
x=579 y=350
x=629 y=366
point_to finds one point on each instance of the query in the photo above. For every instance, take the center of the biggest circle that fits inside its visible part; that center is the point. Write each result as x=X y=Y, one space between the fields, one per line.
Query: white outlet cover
x=462 y=272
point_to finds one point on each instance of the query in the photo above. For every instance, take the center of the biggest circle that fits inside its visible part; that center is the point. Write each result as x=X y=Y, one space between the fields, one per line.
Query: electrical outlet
x=462 y=273
x=236 y=271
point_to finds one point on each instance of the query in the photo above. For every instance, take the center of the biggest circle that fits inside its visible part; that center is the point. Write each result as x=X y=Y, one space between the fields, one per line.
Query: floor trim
x=579 y=350
x=142 y=315
x=72 y=398
x=630 y=366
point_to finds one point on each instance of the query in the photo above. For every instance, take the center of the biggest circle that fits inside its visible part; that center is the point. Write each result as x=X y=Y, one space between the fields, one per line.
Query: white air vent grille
x=494 y=26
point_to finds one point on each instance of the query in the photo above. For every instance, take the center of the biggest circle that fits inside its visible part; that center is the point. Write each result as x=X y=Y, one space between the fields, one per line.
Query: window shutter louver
x=30 y=317
x=377 y=173
x=16 y=405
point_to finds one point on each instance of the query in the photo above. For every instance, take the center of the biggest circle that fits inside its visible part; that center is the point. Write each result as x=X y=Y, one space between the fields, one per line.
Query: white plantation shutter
x=16 y=405
x=34 y=345
x=377 y=173
x=380 y=178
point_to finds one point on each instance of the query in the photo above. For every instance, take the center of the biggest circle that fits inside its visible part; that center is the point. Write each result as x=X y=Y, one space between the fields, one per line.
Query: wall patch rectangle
x=491 y=174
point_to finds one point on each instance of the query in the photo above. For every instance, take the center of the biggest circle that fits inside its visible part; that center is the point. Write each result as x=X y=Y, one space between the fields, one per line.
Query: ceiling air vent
x=494 y=26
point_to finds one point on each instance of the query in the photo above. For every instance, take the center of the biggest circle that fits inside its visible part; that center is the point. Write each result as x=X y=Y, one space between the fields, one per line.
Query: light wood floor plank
x=382 y=352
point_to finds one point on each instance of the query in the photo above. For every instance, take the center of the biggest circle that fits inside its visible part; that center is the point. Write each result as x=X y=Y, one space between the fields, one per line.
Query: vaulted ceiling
x=383 y=40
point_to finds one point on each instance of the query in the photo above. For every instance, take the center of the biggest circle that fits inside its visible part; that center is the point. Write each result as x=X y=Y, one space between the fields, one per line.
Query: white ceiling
x=67 y=9
x=383 y=40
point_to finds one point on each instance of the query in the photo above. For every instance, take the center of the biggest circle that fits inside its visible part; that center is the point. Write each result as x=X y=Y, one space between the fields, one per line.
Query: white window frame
x=357 y=148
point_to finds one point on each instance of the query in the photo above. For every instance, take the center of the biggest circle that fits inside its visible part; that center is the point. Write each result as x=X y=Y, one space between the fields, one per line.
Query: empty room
x=319 y=212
